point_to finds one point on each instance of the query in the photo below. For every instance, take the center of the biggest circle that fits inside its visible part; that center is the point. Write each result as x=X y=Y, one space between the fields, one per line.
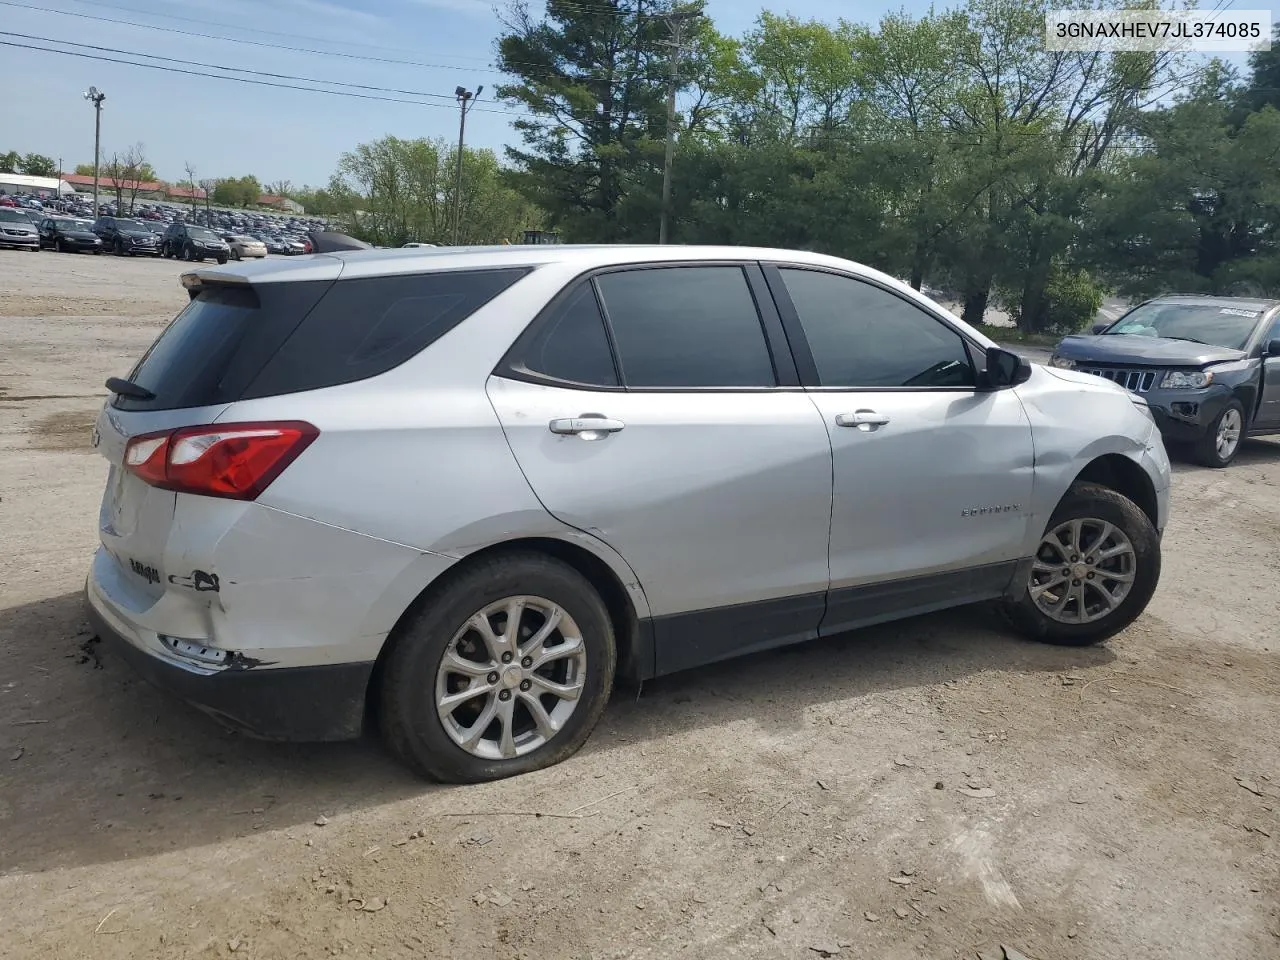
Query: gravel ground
x=931 y=788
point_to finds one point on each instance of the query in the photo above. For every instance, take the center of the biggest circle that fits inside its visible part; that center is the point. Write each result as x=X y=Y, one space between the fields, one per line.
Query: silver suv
x=457 y=492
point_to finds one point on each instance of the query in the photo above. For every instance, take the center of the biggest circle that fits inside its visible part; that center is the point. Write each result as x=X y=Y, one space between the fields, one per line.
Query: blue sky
x=230 y=129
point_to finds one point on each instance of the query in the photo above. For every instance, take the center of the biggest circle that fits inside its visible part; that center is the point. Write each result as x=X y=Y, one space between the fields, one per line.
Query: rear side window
x=570 y=345
x=214 y=348
x=687 y=327
x=237 y=342
x=366 y=327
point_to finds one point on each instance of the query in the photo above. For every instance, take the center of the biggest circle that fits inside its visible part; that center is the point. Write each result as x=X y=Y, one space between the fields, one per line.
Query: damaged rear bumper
x=298 y=703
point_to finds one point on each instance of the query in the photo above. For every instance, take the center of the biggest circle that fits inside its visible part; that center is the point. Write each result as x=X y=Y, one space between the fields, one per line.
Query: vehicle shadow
x=112 y=768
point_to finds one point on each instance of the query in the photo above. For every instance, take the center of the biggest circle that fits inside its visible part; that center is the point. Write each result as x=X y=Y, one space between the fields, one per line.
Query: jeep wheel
x=1221 y=442
x=504 y=669
x=1094 y=572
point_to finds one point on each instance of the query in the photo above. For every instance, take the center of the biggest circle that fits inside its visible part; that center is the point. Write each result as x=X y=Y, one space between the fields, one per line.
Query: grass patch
x=1014 y=335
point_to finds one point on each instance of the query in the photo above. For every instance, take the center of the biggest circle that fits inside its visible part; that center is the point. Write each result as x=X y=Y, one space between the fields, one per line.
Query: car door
x=1269 y=408
x=658 y=410
x=932 y=476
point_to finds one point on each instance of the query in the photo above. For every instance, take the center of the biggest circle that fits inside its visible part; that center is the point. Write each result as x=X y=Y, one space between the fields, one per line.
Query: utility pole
x=466 y=100
x=96 y=98
x=676 y=21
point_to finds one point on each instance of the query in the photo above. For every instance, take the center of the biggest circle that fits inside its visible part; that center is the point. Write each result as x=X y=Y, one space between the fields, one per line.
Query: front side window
x=677 y=327
x=863 y=336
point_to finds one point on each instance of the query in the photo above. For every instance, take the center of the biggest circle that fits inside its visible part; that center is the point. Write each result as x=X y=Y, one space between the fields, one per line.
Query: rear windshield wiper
x=125 y=388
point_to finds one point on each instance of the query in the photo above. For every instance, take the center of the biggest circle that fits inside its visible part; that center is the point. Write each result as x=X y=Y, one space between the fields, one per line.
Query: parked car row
x=124 y=236
x=151 y=229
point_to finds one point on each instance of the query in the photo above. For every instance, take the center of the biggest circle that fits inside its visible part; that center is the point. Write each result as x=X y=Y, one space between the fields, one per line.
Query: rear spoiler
x=330 y=241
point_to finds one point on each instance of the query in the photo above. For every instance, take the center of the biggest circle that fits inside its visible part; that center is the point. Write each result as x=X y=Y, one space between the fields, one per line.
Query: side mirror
x=1272 y=348
x=1004 y=369
x=1097 y=328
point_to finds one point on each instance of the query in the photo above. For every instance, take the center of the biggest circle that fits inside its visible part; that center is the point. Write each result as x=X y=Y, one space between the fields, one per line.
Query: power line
x=282 y=46
x=218 y=66
x=248 y=80
x=252 y=43
x=259 y=30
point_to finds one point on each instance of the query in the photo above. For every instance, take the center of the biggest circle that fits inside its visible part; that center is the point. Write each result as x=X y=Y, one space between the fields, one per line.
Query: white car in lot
x=461 y=492
x=243 y=246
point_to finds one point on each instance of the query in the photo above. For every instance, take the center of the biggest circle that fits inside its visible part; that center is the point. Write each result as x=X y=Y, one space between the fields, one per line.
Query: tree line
x=949 y=148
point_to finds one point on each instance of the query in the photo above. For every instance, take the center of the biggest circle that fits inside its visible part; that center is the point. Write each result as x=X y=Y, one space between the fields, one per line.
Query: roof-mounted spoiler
x=330 y=241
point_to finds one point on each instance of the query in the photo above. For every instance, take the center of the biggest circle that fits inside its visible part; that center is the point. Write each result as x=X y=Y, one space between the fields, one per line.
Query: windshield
x=132 y=225
x=200 y=233
x=9 y=215
x=1198 y=322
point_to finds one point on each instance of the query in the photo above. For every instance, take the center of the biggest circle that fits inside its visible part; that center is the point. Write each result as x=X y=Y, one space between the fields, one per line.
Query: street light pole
x=96 y=98
x=466 y=100
x=676 y=20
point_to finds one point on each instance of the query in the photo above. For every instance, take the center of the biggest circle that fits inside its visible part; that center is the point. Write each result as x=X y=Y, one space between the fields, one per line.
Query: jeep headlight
x=1186 y=379
x=1063 y=362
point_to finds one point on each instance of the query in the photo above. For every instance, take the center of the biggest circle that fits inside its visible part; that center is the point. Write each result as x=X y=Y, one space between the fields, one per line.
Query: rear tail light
x=234 y=460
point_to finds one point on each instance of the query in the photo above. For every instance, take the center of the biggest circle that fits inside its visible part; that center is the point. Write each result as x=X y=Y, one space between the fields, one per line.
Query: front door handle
x=864 y=420
x=588 y=426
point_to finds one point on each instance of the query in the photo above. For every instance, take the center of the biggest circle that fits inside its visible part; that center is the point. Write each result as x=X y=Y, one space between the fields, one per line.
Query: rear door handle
x=588 y=426
x=864 y=420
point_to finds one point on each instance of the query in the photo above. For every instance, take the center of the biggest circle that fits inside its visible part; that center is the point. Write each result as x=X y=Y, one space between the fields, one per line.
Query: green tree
x=1263 y=88
x=9 y=161
x=394 y=191
x=37 y=165
x=593 y=80
x=237 y=191
x=1199 y=210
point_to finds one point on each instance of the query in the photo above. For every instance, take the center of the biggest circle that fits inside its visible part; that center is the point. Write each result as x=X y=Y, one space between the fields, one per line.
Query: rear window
x=239 y=342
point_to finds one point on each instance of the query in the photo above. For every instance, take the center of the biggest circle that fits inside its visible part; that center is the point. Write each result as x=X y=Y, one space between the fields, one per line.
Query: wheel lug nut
x=1075 y=558
x=1066 y=571
x=1075 y=583
x=492 y=678
x=507 y=658
x=1089 y=576
x=525 y=684
x=527 y=662
x=504 y=695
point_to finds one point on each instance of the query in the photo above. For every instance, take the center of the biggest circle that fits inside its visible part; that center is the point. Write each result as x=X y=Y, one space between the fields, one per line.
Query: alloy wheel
x=511 y=677
x=1230 y=427
x=1083 y=570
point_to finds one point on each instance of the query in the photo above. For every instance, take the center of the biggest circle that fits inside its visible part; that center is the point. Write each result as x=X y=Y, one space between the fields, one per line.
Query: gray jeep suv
x=1209 y=367
x=459 y=490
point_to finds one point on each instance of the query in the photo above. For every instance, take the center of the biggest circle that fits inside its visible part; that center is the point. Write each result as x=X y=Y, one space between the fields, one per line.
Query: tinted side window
x=570 y=343
x=368 y=326
x=863 y=336
x=212 y=350
x=687 y=327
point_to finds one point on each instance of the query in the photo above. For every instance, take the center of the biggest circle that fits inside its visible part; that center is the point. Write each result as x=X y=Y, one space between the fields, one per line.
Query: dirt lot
x=932 y=788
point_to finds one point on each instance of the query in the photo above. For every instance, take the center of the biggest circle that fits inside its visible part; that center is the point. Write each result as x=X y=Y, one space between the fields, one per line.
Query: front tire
x=1221 y=442
x=223 y=259
x=466 y=698
x=1094 y=572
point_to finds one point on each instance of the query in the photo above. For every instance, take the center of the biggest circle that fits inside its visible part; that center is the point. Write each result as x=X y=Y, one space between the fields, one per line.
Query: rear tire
x=1108 y=603
x=1221 y=442
x=427 y=735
